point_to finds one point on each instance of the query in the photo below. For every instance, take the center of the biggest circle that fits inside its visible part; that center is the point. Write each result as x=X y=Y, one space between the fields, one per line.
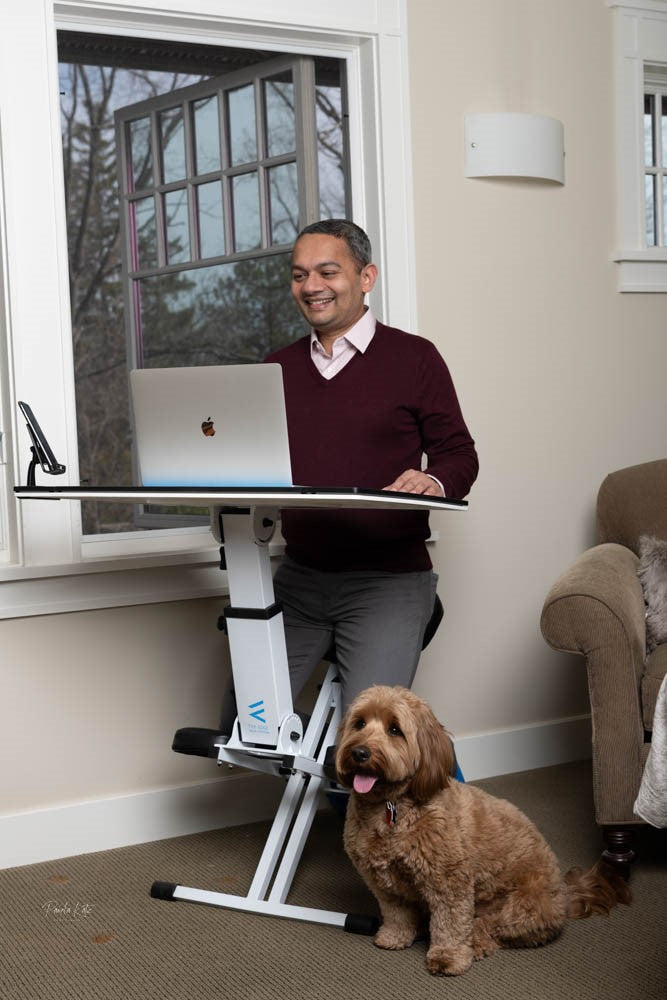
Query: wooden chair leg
x=619 y=850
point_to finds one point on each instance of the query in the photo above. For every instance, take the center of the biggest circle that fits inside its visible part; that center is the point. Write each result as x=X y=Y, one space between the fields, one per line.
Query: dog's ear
x=436 y=758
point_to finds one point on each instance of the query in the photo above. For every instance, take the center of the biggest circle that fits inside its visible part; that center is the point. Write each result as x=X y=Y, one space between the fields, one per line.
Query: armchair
x=596 y=609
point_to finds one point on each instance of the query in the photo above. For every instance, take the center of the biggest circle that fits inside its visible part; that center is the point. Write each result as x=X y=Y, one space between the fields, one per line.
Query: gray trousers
x=376 y=620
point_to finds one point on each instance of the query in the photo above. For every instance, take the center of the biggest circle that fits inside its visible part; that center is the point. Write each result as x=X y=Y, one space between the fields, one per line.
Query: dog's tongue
x=363 y=783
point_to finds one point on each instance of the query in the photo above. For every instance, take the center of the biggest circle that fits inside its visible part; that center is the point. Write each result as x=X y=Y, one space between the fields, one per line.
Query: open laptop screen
x=219 y=425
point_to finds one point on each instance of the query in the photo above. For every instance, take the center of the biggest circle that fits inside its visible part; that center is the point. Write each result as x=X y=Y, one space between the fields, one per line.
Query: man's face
x=327 y=285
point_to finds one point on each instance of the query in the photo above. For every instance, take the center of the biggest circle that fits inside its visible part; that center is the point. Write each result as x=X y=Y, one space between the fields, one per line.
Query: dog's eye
x=360 y=724
x=395 y=730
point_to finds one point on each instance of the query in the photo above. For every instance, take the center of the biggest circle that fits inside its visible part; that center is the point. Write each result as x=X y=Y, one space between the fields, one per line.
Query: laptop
x=219 y=425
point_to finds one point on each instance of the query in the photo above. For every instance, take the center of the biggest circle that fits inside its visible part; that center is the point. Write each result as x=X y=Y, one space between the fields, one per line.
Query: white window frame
x=45 y=566
x=640 y=40
x=655 y=86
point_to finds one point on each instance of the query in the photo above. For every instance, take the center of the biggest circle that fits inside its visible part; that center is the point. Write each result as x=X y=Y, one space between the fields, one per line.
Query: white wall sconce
x=513 y=144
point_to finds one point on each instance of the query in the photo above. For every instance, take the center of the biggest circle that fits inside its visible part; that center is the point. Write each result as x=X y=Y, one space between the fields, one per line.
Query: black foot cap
x=357 y=923
x=198 y=742
x=163 y=890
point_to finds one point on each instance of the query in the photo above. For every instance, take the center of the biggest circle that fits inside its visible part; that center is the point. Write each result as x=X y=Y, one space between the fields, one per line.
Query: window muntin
x=238 y=144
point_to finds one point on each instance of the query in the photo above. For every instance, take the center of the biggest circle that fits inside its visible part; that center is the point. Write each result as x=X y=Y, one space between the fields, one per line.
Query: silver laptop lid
x=220 y=425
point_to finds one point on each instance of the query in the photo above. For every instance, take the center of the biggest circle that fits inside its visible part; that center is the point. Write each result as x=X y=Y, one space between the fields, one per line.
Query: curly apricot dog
x=445 y=856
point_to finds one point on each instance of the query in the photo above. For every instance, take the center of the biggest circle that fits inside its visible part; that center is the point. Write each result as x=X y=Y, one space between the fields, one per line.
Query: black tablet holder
x=42 y=453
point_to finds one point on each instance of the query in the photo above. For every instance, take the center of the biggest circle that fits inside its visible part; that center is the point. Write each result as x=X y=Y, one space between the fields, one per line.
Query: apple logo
x=207 y=428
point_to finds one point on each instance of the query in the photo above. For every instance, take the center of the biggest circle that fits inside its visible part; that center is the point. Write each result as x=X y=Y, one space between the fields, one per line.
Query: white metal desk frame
x=268 y=735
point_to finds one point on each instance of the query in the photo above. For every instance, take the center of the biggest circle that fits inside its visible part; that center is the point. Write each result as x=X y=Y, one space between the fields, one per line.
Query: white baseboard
x=102 y=824
x=504 y=751
x=245 y=797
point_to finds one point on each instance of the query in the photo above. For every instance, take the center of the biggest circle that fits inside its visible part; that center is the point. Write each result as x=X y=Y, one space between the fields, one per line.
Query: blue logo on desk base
x=258 y=712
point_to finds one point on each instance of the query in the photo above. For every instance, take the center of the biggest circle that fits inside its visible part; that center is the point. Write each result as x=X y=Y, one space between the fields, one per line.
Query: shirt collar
x=359 y=335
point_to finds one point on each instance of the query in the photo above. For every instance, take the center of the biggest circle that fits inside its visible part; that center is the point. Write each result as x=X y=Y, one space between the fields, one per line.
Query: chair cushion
x=655 y=670
x=652 y=572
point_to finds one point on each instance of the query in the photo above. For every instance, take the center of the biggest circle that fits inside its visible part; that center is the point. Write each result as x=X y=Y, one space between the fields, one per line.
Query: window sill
x=108 y=583
x=154 y=544
x=642 y=270
x=28 y=591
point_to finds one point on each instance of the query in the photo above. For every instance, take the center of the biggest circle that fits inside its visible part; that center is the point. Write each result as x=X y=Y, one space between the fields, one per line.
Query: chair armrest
x=596 y=609
x=597 y=598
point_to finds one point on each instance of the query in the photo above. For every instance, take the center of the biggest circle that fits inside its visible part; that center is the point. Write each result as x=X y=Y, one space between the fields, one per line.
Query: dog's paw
x=449 y=961
x=394 y=938
x=482 y=942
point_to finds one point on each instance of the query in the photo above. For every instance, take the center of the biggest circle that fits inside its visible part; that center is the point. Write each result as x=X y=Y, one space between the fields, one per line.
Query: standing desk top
x=242 y=496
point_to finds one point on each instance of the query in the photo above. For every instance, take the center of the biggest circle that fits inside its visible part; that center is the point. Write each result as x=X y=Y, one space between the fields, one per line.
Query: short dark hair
x=357 y=241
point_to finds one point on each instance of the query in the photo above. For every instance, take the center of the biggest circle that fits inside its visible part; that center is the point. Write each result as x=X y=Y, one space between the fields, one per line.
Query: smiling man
x=365 y=403
x=329 y=283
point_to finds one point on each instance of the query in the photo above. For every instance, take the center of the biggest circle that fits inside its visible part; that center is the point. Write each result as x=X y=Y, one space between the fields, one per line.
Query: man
x=364 y=403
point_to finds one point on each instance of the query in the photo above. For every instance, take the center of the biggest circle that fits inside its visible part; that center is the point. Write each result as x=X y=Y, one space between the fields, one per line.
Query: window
x=182 y=208
x=641 y=102
x=655 y=155
x=52 y=561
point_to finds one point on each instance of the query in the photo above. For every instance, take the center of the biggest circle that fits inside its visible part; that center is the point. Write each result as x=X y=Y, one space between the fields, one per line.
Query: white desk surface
x=261 y=496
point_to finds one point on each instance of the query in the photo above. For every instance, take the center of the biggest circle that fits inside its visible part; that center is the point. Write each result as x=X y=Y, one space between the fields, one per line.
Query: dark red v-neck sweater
x=365 y=426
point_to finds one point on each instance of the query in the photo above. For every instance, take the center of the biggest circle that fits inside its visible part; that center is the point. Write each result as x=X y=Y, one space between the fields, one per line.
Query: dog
x=445 y=857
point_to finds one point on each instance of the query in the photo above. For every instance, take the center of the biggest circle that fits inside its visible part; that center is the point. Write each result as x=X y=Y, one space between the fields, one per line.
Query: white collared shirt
x=344 y=348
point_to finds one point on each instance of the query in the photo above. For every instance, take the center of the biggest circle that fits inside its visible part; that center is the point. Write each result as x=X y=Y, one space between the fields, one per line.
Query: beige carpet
x=86 y=927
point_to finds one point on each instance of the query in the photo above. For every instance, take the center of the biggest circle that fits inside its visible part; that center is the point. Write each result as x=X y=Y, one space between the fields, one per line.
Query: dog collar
x=390 y=813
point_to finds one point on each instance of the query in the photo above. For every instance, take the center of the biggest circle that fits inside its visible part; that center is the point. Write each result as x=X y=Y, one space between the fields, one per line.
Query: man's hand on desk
x=413 y=481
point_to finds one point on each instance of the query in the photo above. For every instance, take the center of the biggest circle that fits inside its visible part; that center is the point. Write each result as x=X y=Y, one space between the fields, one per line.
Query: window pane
x=284 y=195
x=141 y=154
x=172 y=135
x=207 y=135
x=242 y=130
x=649 y=145
x=280 y=120
x=183 y=315
x=176 y=221
x=330 y=151
x=211 y=228
x=663 y=129
x=247 y=226
x=663 y=185
x=650 y=210
x=143 y=233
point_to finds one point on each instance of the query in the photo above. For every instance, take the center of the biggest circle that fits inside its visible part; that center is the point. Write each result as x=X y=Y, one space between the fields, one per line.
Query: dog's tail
x=595 y=891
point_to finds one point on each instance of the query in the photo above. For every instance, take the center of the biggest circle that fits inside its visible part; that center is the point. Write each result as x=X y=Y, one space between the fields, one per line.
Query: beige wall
x=561 y=380
x=561 y=377
x=91 y=701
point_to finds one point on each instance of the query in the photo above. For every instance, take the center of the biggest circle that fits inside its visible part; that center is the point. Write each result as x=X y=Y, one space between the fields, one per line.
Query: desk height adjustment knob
x=264 y=524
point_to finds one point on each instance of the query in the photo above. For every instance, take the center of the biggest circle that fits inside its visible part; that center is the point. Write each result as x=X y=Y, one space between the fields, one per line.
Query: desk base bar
x=355 y=923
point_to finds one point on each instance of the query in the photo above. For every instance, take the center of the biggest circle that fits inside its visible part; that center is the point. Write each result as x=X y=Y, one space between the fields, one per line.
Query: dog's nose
x=361 y=754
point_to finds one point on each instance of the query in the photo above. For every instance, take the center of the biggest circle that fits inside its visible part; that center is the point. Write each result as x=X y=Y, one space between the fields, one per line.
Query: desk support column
x=256 y=634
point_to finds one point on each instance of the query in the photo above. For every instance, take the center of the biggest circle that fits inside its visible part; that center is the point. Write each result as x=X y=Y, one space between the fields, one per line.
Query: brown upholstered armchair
x=596 y=608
